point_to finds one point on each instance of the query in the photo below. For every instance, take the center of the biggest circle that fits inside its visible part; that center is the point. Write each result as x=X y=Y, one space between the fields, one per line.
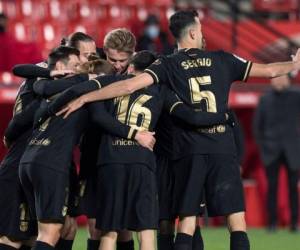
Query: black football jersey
x=202 y=80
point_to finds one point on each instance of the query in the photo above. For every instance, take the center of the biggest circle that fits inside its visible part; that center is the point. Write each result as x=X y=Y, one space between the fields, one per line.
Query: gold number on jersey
x=197 y=95
x=129 y=114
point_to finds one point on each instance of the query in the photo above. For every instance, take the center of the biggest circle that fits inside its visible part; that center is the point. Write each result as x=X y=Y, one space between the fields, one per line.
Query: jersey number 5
x=130 y=114
x=197 y=95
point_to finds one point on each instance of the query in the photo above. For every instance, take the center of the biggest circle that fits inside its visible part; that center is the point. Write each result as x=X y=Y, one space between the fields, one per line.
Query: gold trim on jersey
x=24 y=217
x=152 y=73
x=99 y=84
x=174 y=105
x=247 y=71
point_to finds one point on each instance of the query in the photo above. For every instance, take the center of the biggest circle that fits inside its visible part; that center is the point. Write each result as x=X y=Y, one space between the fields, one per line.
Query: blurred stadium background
x=259 y=30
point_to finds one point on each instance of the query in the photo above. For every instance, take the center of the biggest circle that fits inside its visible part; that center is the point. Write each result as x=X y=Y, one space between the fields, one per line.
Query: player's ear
x=192 y=33
x=130 y=69
x=60 y=65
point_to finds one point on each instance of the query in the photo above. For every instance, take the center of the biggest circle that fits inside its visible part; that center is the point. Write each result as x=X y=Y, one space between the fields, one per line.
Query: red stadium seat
x=7 y=78
x=11 y=8
x=106 y=26
x=164 y=3
x=52 y=9
x=132 y=3
x=88 y=27
x=50 y=34
x=276 y=5
x=106 y=2
x=24 y=30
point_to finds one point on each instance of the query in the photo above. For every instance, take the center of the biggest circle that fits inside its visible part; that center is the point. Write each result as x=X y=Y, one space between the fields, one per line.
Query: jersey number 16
x=130 y=114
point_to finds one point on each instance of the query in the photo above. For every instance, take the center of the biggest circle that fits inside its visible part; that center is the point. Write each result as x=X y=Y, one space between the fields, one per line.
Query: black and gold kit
x=127 y=183
x=15 y=221
x=163 y=150
x=127 y=170
x=89 y=147
x=48 y=157
x=119 y=157
x=202 y=80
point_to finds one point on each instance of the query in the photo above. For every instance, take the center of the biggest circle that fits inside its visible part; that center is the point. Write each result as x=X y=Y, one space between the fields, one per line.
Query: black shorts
x=15 y=221
x=127 y=198
x=73 y=202
x=215 y=175
x=165 y=184
x=87 y=195
x=47 y=192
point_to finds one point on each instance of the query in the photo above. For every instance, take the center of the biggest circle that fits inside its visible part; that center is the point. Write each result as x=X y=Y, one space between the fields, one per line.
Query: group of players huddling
x=128 y=180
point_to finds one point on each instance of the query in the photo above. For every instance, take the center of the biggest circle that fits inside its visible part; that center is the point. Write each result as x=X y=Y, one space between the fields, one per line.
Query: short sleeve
x=238 y=67
x=158 y=70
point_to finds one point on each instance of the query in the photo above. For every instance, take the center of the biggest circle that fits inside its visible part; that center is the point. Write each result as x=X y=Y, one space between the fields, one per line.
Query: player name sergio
x=196 y=63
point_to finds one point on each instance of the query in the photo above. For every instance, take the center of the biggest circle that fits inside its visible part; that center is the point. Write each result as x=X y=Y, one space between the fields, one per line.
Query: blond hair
x=121 y=40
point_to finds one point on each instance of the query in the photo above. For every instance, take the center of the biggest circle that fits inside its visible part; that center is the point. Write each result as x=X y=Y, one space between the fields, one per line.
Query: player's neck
x=186 y=45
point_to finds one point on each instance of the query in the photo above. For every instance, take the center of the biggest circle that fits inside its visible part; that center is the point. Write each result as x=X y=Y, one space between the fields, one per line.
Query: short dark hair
x=180 y=20
x=61 y=53
x=77 y=37
x=142 y=60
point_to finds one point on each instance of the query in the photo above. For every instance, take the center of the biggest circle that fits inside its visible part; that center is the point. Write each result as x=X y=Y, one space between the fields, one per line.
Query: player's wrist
x=83 y=100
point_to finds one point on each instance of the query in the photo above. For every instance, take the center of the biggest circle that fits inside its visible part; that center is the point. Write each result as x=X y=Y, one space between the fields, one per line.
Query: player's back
x=139 y=110
x=202 y=79
x=52 y=143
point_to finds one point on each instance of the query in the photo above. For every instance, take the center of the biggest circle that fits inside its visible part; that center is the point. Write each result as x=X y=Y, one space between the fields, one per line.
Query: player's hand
x=57 y=73
x=145 y=139
x=71 y=107
x=296 y=57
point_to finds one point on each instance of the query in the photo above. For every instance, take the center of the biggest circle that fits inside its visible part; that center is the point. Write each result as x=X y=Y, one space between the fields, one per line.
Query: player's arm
x=154 y=74
x=101 y=117
x=119 y=88
x=21 y=122
x=276 y=69
x=78 y=90
x=49 y=87
x=35 y=71
x=192 y=117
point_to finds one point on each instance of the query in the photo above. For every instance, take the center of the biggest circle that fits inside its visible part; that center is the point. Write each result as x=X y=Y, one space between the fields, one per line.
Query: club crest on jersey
x=241 y=59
